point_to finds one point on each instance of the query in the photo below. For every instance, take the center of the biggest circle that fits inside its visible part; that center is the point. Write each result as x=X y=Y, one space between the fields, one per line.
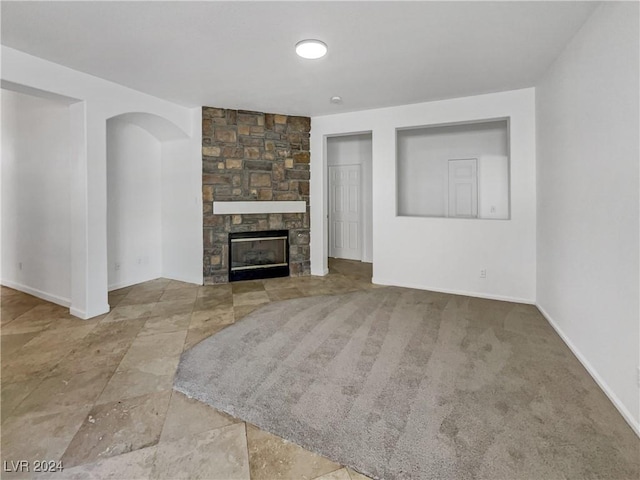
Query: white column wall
x=79 y=213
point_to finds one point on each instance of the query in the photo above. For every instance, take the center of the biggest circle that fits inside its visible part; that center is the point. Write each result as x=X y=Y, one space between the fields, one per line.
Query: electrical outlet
x=19 y=265
x=483 y=273
x=139 y=260
x=117 y=266
x=638 y=376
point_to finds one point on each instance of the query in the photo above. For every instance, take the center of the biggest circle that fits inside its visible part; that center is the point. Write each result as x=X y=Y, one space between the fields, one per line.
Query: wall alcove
x=455 y=171
x=147 y=201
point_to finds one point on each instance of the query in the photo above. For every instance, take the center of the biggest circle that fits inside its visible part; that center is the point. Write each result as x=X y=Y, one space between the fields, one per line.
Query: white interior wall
x=182 y=207
x=133 y=204
x=423 y=170
x=97 y=101
x=356 y=150
x=439 y=253
x=36 y=220
x=588 y=200
x=493 y=183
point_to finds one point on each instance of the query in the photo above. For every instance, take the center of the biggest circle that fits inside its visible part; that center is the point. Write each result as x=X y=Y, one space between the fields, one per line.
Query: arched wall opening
x=153 y=203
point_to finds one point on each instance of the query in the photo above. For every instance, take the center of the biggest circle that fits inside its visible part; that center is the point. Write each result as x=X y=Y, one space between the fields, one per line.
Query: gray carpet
x=400 y=383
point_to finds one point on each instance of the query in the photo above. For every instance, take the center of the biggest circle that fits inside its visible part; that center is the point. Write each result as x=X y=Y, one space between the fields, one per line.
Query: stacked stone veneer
x=253 y=156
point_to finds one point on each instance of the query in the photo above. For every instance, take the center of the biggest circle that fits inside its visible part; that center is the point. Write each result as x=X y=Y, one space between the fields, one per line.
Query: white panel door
x=345 y=211
x=463 y=188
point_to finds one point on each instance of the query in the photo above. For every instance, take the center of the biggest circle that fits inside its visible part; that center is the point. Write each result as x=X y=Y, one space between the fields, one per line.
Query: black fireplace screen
x=255 y=255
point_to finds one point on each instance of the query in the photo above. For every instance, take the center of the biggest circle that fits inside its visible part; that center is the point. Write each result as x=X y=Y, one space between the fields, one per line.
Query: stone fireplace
x=254 y=158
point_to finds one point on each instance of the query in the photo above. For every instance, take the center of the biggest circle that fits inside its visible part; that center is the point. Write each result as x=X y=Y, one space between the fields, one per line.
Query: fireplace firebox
x=254 y=255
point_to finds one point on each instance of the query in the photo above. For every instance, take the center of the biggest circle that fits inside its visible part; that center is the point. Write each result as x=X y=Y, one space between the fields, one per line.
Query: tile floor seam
x=153 y=460
x=246 y=442
x=184 y=342
x=165 y=419
x=164 y=424
x=329 y=473
x=351 y=470
x=116 y=369
x=15 y=408
x=14 y=319
x=91 y=409
x=49 y=375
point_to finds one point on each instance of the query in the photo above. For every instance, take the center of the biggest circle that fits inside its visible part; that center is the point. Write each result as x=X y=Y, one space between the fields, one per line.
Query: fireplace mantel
x=244 y=208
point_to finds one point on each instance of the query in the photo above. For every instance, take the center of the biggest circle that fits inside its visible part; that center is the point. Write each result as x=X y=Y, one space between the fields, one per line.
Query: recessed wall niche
x=456 y=171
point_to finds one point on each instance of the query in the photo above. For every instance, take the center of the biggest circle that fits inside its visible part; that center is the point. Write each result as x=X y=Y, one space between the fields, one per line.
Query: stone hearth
x=253 y=156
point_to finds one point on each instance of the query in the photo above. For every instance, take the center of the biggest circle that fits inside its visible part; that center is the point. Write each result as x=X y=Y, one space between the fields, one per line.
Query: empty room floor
x=97 y=394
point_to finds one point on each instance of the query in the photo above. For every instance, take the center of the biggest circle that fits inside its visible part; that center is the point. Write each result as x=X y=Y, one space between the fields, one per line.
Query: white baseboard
x=626 y=414
x=84 y=315
x=49 y=297
x=320 y=272
x=178 y=278
x=503 y=298
x=129 y=283
x=78 y=313
x=117 y=286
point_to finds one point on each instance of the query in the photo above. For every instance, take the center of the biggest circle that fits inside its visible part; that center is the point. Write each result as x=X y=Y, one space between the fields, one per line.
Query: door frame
x=323 y=170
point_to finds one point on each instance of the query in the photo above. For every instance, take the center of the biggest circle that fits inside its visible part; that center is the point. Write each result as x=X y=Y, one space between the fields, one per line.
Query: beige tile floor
x=97 y=394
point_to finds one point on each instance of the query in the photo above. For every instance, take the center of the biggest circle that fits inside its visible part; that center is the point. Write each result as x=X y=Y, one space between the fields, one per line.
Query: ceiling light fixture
x=311 y=49
x=337 y=100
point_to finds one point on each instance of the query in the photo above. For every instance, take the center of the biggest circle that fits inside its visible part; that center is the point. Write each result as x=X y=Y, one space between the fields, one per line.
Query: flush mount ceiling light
x=337 y=100
x=311 y=49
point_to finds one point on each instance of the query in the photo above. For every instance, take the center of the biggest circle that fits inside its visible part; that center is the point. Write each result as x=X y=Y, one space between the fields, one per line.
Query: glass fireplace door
x=258 y=255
